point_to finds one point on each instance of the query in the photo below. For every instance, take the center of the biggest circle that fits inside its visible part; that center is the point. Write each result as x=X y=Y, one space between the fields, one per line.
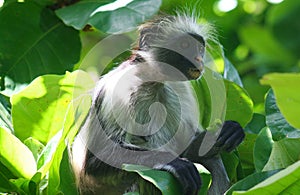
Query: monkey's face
x=184 y=52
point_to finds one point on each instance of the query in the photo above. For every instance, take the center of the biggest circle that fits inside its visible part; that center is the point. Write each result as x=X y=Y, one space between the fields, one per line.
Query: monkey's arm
x=230 y=137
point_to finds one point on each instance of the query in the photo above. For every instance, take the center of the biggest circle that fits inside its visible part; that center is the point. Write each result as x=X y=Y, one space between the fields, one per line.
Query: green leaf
x=286 y=181
x=39 y=110
x=287 y=98
x=67 y=178
x=5 y=176
x=231 y=74
x=216 y=94
x=33 y=41
x=35 y=146
x=231 y=163
x=28 y=186
x=165 y=182
x=262 y=149
x=76 y=113
x=284 y=153
x=45 y=159
x=109 y=20
x=257 y=122
x=250 y=181
x=278 y=125
x=239 y=104
x=204 y=100
x=245 y=150
x=16 y=156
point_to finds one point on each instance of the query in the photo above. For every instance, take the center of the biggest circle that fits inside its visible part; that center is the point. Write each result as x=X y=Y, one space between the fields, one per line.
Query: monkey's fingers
x=232 y=134
x=233 y=141
x=186 y=173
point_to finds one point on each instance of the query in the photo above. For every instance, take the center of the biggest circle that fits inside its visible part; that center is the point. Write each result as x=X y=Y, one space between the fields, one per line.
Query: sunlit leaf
x=286 y=87
x=39 y=110
x=278 y=125
x=35 y=146
x=16 y=156
x=250 y=181
x=286 y=181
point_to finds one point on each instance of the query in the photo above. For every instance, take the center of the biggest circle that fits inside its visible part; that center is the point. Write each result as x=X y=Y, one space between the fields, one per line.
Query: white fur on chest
x=181 y=116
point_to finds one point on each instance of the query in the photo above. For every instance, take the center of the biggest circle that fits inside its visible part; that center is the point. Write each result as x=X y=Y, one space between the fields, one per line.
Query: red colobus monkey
x=145 y=112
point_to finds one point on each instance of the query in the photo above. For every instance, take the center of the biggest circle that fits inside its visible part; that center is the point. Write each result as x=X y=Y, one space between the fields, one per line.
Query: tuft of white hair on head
x=184 y=21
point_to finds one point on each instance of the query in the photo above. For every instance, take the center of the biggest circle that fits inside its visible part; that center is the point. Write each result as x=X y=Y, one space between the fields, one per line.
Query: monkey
x=145 y=112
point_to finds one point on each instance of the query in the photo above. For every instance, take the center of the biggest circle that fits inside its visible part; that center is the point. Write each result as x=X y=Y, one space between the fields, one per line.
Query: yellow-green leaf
x=286 y=90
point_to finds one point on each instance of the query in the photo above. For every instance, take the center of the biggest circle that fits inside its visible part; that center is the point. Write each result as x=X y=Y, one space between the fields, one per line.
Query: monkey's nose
x=199 y=61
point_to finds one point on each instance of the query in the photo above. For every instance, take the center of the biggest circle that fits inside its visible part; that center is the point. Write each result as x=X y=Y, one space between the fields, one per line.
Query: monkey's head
x=176 y=41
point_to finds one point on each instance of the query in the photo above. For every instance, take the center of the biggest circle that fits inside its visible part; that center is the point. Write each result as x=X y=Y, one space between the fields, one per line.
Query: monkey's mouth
x=194 y=73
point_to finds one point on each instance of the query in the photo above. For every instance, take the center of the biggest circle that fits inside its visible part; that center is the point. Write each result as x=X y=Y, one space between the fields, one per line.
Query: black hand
x=232 y=134
x=186 y=173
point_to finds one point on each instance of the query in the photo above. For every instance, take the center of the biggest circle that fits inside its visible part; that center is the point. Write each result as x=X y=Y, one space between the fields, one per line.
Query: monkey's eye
x=184 y=44
x=201 y=49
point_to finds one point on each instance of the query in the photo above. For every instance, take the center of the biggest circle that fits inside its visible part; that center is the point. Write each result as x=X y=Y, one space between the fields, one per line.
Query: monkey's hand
x=186 y=173
x=231 y=135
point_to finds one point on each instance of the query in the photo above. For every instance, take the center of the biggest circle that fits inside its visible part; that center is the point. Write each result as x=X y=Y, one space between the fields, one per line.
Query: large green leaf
x=250 y=181
x=284 y=153
x=286 y=181
x=286 y=87
x=111 y=20
x=33 y=41
x=278 y=125
x=16 y=156
x=39 y=110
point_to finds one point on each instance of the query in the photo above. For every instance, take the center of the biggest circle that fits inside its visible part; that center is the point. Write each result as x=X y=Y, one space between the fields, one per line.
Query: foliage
x=45 y=96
